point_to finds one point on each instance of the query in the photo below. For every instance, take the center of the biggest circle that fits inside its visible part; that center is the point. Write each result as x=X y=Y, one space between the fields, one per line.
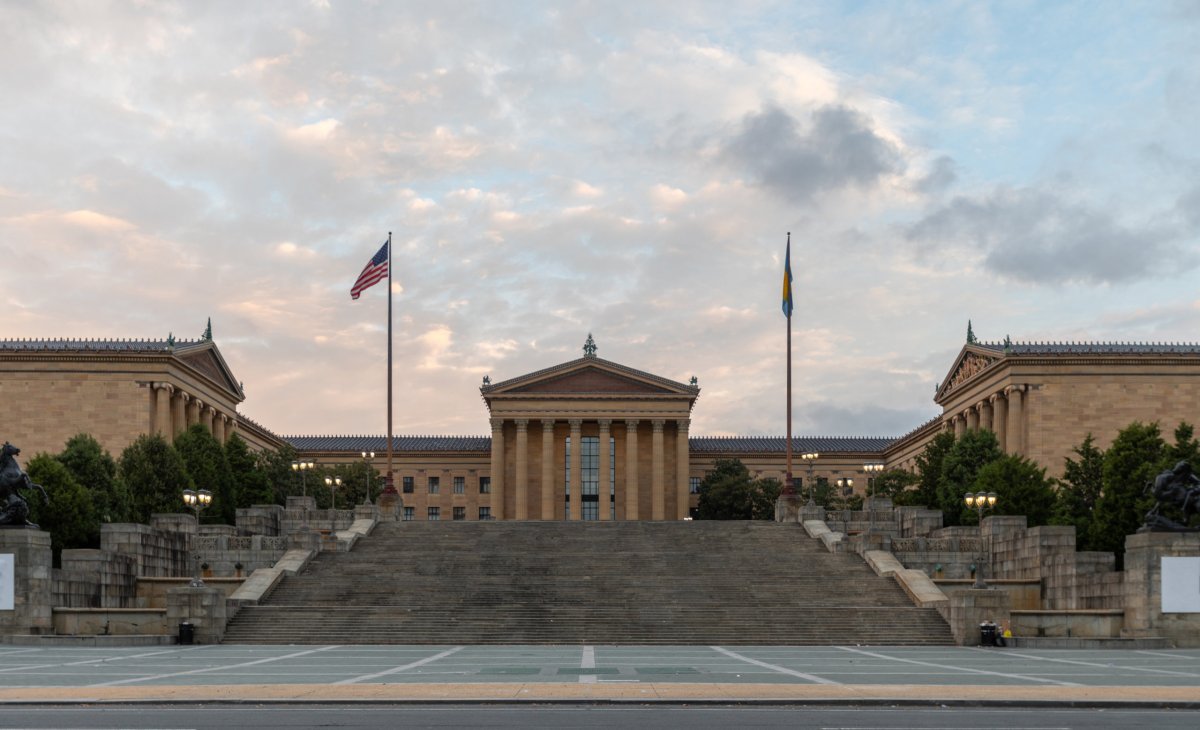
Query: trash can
x=187 y=633
x=987 y=633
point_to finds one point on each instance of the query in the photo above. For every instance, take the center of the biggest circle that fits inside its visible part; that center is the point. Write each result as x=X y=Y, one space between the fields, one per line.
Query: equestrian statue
x=14 y=510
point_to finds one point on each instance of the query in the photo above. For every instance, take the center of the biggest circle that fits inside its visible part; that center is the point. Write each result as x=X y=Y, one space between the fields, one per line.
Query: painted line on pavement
x=1166 y=654
x=588 y=661
x=1101 y=666
x=222 y=668
x=774 y=667
x=396 y=670
x=99 y=661
x=954 y=668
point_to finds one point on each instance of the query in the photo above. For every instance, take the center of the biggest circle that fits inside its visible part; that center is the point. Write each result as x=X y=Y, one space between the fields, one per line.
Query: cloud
x=1038 y=236
x=838 y=150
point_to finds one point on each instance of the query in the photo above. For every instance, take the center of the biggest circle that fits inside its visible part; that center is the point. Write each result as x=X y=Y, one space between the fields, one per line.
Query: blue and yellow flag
x=787 y=280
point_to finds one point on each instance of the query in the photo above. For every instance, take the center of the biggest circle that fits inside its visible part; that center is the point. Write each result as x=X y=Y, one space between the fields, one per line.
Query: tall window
x=408 y=485
x=460 y=485
x=409 y=514
x=693 y=485
x=460 y=513
x=485 y=485
x=591 y=498
x=435 y=484
x=435 y=514
x=485 y=513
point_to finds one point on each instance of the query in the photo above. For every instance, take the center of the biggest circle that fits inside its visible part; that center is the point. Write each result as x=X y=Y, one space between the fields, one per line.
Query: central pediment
x=590 y=376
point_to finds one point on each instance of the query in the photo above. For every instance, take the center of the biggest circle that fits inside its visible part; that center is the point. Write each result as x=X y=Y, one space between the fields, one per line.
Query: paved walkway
x=599 y=673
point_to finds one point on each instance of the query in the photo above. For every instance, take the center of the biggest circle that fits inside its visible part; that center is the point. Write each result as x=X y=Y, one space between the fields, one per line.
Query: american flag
x=375 y=271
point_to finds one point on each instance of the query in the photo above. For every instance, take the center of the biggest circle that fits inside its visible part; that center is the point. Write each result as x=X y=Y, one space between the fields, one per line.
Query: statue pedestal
x=29 y=579
x=1142 y=587
x=204 y=608
x=787 y=508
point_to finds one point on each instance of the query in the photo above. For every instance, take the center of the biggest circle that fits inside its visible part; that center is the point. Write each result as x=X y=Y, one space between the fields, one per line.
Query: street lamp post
x=333 y=483
x=980 y=501
x=873 y=467
x=367 y=457
x=809 y=458
x=198 y=500
x=302 y=466
x=845 y=487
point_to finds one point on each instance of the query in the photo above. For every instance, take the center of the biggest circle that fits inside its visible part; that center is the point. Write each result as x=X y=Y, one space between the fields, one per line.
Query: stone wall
x=224 y=553
x=155 y=552
x=1143 y=587
x=260 y=520
x=95 y=579
x=32 y=582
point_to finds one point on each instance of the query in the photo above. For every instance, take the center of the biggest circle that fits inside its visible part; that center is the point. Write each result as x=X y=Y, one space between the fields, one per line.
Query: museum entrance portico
x=589 y=440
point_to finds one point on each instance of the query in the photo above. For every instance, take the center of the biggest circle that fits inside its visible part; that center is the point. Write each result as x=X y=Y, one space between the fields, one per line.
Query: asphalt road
x=588 y=717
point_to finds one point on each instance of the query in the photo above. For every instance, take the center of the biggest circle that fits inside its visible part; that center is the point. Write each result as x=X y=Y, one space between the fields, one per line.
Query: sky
x=625 y=169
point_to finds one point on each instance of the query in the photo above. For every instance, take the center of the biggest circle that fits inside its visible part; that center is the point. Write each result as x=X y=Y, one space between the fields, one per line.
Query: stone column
x=960 y=425
x=548 y=469
x=972 y=418
x=219 y=422
x=575 y=487
x=631 y=469
x=497 y=468
x=193 y=411
x=604 y=471
x=1016 y=418
x=1000 y=419
x=521 y=482
x=207 y=415
x=658 y=509
x=179 y=407
x=682 y=454
x=985 y=414
x=162 y=410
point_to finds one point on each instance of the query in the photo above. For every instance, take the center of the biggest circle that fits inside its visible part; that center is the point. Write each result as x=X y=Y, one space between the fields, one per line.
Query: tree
x=205 y=462
x=155 y=476
x=69 y=516
x=1186 y=448
x=1078 y=491
x=250 y=481
x=96 y=470
x=894 y=484
x=277 y=466
x=929 y=469
x=1131 y=462
x=1021 y=488
x=977 y=448
x=728 y=492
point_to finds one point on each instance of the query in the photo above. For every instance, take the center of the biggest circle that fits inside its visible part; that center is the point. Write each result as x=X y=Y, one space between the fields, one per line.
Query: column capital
x=164 y=386
x=576 y=423
x=683 y=422
x=658 y=423
x=522 y=423
x=547 y=424
x=1014 y=389
x=979 y=406
x=182 y=395
x=497 y=424
x=631 y=423
x=995 y=397
x=604 y=423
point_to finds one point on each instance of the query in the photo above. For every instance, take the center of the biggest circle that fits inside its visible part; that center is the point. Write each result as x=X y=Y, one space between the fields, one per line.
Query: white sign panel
x=8 y=581
x=1181 y=585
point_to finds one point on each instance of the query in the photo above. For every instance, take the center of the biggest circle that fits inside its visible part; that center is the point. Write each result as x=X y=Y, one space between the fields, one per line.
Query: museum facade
x=593 y=439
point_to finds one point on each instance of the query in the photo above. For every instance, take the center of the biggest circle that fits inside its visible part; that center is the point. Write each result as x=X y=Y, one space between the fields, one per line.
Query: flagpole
x=789 y=486
x=389 y=366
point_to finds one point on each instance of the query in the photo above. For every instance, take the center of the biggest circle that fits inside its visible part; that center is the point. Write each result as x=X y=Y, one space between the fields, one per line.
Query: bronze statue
x=14 y=510
x=1178 y=488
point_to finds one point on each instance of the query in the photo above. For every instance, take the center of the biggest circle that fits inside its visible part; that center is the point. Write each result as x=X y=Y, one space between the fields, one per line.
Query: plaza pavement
x=619 y=674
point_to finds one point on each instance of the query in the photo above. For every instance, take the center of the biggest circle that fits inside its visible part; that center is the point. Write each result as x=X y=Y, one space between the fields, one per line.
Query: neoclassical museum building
x=592 y=439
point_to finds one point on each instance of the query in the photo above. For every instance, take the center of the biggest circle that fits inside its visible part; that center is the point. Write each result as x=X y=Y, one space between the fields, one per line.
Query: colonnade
x=551 y=494
x=175 y=410
x=1002 y=413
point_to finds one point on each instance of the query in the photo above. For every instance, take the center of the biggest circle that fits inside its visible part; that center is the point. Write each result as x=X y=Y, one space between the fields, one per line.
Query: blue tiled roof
x=378 y=444
x=698 y=445
x=778 y=444
x=70 y=345
x=1094 y=348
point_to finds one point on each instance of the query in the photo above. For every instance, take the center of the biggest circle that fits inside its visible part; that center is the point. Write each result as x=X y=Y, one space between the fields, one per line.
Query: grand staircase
x=588 y=582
